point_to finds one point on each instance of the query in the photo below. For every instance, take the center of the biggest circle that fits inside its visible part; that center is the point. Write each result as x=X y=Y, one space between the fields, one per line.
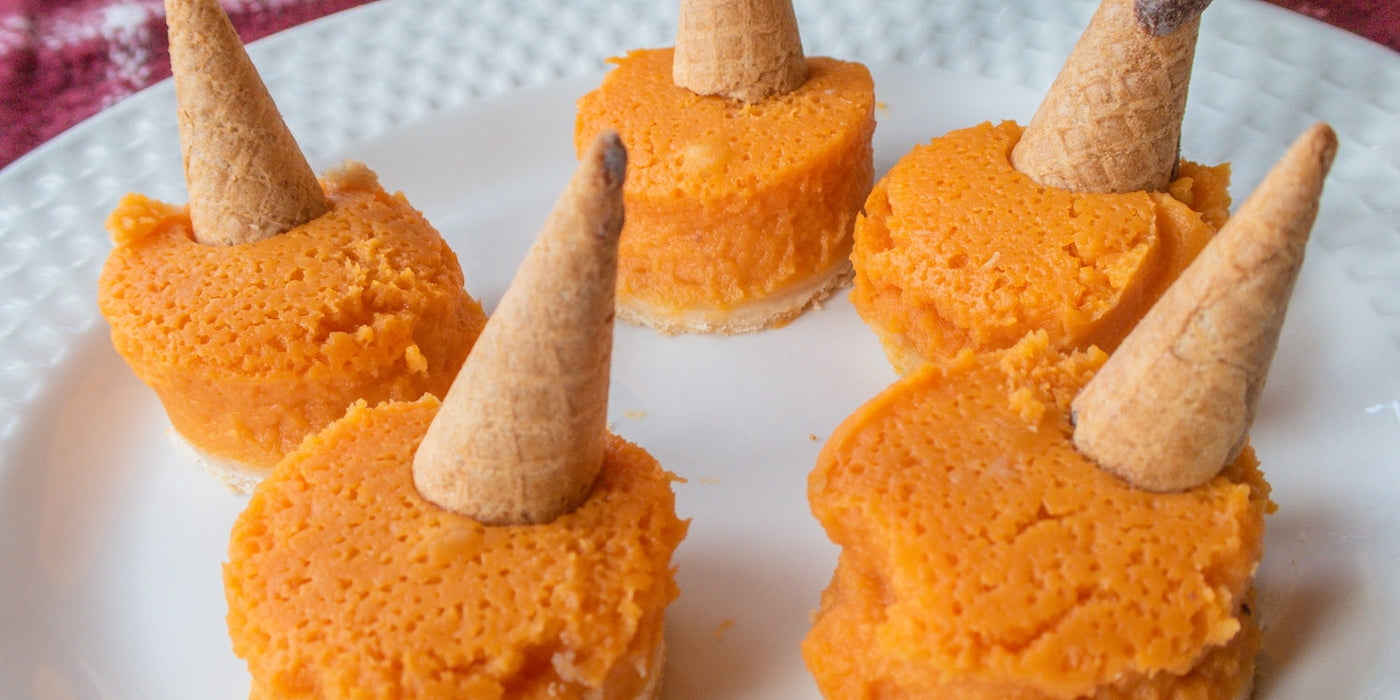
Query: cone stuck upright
x=520 y=435
x=1173 y=405
x=247 y=177
x=746 y=50
x=1111 y=121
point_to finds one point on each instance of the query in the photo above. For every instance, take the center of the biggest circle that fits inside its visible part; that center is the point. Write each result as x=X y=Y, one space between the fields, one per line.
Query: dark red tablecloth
x=1377 y=20
x=62 y=61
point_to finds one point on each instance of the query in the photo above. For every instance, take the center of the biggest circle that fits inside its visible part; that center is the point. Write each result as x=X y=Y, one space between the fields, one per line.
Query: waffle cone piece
x=1111 y=121
x=247 y=177
x=1174 y=404
x=742 y=49
x=520 y=436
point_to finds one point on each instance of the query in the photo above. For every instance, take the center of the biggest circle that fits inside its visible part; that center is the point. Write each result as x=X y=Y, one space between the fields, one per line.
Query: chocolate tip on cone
x=1174 y=403
x=247 y=177
x=613 y=155
x=747 y=50
x=1111 y=121
x=1162 y=17
x=520 y=435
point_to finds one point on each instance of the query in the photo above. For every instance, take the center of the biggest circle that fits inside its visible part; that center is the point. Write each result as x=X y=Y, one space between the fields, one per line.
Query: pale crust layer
x=652 y=691
x=768 y=312
x=236 y=476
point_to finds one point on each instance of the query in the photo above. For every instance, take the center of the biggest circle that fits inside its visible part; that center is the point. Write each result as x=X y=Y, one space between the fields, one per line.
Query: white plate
x=110 y=543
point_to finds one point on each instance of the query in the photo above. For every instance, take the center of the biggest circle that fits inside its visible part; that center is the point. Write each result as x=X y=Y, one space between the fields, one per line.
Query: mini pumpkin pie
x=1073 y=225
x=273 y=301
x=749 y=164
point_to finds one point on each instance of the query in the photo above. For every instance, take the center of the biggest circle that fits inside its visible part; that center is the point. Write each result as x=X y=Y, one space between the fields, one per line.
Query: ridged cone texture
x=247 y=177
x=746 y=50
x=1111 y=121
x=1174 y=404
x=520 y=435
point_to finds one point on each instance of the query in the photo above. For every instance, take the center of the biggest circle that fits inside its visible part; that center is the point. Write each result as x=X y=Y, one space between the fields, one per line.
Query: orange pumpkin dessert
x=1037 y=524
x=499 y=544
x=252 y=347
x=983 y=557
x=1074 y=225
x=263 y=309
x=344 y=582
x=957 y=249
x=739 y=213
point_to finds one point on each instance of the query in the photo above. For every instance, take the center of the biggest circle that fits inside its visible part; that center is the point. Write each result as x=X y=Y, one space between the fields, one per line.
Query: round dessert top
x=687 y=145
x=1007 y=557
x=343 y=582
x=957 y=249
x=370 y=283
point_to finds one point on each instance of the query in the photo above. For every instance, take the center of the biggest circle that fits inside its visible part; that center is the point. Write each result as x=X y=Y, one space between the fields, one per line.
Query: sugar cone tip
x=1162 y=17
x=1111 y=121
x=1174 y=404
x=520 y=435
x=247 y=177
x=747 y=50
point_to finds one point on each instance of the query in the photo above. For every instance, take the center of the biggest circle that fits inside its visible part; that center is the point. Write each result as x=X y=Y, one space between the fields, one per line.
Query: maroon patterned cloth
x=62 y=61
x=1377 y=20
